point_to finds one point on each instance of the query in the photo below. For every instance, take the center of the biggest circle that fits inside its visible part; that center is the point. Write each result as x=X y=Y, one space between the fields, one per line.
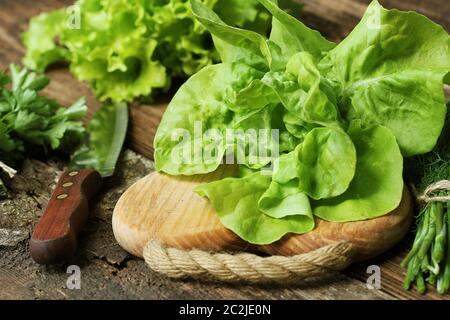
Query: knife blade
x=55 y=236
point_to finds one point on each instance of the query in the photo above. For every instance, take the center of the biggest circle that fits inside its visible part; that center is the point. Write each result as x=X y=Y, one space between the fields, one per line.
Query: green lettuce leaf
x=252 y=98
x=283 y=200
x=127 y=49
x=323 y=166
x=292 y=36
x=327 y=161
x=391 y=70
x=304 y=92
x=191 y=138
x=199 y=100
x=236 y=45
x=378 y=183
x=296 y=126
x=242 y=14
x=42 y=50
x=104 y=140
x=234 y=200
x=116 y=57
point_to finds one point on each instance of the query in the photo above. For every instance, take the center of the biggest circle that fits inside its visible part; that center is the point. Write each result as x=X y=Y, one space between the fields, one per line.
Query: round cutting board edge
x=165 y=208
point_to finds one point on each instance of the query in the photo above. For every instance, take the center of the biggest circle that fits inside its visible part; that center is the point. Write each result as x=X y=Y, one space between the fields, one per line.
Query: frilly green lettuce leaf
x=234 y=200
x=391 y=69
x=128 y=49
x=327 y=161
x=42 y=50
x=135 y=75
x=104 y=140
x=304 y=92
x=235 y=45
x=292 y=36
x=323 y=166
x=199 y=100
x=378 y=184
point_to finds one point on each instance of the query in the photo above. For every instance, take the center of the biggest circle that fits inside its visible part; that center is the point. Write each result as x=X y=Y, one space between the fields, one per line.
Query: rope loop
x=247 y=267
x=427 y=196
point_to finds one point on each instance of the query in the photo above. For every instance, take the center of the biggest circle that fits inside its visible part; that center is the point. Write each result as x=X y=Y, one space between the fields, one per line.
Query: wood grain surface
x=166 y=208
x=334 y=19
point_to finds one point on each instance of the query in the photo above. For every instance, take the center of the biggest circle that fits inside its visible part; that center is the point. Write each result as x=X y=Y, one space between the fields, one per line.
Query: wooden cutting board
x=165 y=208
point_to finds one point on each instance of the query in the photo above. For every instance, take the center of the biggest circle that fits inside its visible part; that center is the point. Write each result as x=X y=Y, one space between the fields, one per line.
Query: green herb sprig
x=429 y=258
x=31 y=123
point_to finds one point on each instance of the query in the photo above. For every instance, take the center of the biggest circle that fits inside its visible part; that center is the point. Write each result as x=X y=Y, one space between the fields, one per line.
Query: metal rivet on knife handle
x=62 y=196
x=73 y=173
x=67 y=184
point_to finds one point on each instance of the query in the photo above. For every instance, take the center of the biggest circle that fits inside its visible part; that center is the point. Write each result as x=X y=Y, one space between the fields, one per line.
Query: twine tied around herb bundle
x=429 y=193
x=244 y=267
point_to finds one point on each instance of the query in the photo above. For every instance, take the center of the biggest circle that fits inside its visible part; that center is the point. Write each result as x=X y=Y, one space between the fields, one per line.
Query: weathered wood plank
x=392 y=275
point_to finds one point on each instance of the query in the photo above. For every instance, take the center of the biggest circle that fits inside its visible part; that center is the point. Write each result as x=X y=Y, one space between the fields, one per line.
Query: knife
x=55 y=237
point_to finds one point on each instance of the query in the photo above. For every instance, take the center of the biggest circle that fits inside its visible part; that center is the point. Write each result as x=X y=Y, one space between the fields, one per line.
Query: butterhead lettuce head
x=346 y=114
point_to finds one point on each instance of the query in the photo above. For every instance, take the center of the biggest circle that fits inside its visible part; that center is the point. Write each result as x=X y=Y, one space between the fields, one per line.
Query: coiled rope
x=247 y=267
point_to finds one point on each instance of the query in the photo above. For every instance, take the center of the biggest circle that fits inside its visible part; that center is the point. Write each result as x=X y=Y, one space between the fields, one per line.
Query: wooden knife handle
x=55 y=237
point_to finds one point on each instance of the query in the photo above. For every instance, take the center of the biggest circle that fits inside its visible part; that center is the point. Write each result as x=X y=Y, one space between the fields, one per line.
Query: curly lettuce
x=127 y=49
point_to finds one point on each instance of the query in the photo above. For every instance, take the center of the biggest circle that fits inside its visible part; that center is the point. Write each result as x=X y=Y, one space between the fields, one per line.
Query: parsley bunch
x=31 y=123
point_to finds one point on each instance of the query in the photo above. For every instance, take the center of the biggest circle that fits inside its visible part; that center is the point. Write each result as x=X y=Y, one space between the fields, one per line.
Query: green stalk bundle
x=429 y=258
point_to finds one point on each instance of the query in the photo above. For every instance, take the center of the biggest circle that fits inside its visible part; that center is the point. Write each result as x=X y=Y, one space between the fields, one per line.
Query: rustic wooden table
x=107 y=271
